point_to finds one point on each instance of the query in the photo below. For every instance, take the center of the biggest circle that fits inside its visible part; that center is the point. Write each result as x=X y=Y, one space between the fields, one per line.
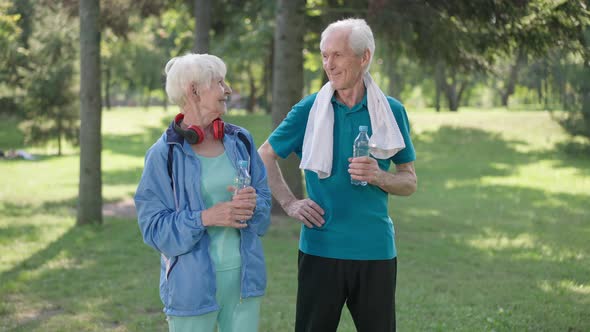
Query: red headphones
x=194 y=134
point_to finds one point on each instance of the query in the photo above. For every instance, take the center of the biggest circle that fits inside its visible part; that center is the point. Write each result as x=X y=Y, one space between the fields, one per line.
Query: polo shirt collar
x=358 y=107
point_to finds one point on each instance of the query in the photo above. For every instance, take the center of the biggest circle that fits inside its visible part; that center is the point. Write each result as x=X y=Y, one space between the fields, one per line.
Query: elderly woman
x=207 y=232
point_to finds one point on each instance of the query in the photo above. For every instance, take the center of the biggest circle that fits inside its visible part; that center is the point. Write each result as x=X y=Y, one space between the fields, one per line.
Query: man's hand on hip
x=306 y=211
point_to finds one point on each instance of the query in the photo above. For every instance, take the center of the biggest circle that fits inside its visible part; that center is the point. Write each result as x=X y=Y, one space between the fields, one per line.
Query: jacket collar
x=172 y=136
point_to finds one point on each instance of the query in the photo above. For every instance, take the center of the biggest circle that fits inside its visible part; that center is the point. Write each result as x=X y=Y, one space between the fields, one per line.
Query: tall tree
x=50 y=107
x=90 y=188
x=202 y=25
x=288 y=78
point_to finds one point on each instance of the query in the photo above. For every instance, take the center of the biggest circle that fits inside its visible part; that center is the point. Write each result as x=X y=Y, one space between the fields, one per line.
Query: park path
x=120 y=209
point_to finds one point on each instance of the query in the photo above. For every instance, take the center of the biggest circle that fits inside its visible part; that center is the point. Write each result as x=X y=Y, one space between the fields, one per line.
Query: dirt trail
x=121 y=209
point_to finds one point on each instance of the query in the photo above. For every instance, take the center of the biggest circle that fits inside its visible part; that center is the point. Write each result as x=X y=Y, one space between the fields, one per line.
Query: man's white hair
x=359 y=39
x=200 y=69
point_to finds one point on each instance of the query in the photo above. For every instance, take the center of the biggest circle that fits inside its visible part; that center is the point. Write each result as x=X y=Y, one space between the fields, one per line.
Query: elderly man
x=347 y=251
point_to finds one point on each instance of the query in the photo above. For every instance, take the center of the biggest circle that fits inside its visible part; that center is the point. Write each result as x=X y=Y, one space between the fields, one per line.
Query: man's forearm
x=402 y=183
x=278 y=186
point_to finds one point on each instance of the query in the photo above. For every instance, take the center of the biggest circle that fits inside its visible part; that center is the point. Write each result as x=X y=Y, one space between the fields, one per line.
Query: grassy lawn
x=497 y=238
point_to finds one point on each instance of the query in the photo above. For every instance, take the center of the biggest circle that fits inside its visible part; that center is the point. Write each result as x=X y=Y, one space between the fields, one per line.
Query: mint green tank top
x=218 y=173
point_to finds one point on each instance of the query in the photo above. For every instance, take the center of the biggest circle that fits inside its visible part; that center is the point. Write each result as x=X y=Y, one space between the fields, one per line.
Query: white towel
x=318 y=142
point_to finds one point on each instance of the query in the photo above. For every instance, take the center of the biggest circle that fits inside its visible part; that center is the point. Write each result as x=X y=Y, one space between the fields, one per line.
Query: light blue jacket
x=170 y=222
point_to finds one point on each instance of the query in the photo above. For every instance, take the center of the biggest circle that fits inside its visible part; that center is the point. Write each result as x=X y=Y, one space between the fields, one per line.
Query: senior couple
x=208 y=233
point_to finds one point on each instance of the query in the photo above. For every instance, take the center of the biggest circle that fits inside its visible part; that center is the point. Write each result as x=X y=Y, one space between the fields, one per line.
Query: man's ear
x=366 y=57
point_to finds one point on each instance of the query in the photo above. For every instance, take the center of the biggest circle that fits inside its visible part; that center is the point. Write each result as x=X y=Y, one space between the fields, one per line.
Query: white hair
x=191 y=68
x=359 y=39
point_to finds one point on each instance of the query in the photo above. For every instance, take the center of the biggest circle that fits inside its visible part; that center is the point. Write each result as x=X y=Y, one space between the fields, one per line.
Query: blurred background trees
x=445 y=55
x=431 y=54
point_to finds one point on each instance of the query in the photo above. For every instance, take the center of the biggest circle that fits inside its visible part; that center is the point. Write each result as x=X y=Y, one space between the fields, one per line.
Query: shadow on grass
x=575 y=154
x=103 y=274
x=471 y=256
x=21 y=232
x=519 y=254
x=62 y=208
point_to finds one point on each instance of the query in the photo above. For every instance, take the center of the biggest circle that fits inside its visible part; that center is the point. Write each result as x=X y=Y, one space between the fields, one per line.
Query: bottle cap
x=243 y=163
x=363 y=128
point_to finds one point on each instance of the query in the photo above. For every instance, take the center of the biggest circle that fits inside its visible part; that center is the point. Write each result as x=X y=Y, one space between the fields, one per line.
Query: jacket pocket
x=191 y=282
x=170 y=263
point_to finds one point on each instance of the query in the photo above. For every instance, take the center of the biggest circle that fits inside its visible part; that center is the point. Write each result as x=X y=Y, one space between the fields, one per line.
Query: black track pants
x=325 y=284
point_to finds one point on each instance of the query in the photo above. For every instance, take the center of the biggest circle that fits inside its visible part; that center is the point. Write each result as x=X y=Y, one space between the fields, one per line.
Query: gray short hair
x=360 y=38
x=191 y=68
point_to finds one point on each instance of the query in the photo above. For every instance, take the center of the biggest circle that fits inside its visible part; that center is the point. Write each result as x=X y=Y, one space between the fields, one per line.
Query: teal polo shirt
x=357 y=225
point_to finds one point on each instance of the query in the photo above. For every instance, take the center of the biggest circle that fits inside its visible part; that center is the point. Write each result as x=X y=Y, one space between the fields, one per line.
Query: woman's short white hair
x=360 y=38
x=200 y=69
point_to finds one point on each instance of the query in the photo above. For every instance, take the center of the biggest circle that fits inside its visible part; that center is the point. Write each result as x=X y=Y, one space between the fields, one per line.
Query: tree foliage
x=50 y=104
x=12 y=51
x=445 y=54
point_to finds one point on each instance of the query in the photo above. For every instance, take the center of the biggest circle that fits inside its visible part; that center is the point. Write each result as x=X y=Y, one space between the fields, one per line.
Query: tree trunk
x=202 y=25
x=439 y=80
x=390 y=71
x=546 y=85
x=451 y=94
x=452 y=97
x=539 y=87
x=252 y=82
x=90 y=188
x=107 y=88
x=59 y=133
x=288 y=80
x=453 y=91
x=512 y=79
x=268 y=81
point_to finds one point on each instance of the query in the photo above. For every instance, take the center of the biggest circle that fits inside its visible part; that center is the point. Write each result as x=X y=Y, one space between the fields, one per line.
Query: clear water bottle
x=361 y=149
x=243 y=177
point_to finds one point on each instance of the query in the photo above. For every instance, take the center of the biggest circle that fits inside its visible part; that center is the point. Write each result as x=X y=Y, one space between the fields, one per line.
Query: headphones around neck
x=194 y=134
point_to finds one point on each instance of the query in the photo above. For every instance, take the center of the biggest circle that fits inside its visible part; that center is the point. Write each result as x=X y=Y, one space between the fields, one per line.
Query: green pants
x=234 y=315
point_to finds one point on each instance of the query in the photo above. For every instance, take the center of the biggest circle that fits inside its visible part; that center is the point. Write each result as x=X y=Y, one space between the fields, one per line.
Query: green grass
x=497 y=238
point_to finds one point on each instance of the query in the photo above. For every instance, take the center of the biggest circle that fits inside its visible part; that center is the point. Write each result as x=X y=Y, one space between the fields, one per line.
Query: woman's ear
x=191 y=92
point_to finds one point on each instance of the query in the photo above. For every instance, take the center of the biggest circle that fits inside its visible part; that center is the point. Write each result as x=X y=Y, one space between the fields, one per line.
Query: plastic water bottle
x=361 y=149
x=243 y=177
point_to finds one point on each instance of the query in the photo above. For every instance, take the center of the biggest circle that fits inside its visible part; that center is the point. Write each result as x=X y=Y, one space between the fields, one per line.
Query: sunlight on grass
x=535 y=128
x=495 y=239
x=523 y=247
x=130 y=120
x=547 y=175
x=33 y=235
x=33 y=182
x=565 y=286
x=572 y=286
x=502 y=242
